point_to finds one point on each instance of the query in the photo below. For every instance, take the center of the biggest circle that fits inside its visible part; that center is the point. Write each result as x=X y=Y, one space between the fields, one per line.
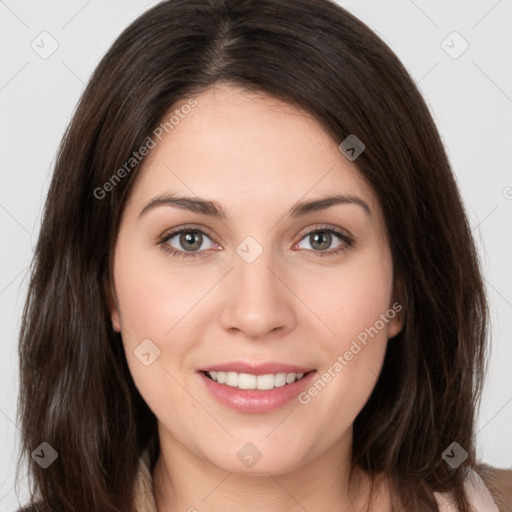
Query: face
x=306 y=290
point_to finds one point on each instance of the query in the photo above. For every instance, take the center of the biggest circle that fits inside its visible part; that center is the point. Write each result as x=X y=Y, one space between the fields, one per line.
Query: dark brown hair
x=76 y=391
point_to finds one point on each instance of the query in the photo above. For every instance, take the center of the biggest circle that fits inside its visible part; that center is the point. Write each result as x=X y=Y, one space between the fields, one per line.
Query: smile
x=249 y=393
x=249 y=381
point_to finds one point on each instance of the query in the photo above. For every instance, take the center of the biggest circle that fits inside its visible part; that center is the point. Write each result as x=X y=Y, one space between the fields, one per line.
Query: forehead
x=247 y=150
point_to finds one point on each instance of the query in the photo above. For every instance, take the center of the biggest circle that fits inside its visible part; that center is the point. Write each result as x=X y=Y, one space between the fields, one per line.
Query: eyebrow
x=214 y=209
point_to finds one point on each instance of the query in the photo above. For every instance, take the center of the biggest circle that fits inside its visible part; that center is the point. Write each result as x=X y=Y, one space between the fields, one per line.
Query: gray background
x=470 y=97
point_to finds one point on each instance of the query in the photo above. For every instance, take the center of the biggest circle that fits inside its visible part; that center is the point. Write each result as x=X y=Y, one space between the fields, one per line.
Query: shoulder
x=489 y=489
x=499 y=483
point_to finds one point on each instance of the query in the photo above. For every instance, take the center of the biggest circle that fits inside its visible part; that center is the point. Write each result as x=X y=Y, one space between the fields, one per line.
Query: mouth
x=255 y=392
x=250 y=381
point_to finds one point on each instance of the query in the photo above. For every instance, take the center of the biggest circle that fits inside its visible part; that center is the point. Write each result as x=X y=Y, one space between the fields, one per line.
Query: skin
x=256 y=156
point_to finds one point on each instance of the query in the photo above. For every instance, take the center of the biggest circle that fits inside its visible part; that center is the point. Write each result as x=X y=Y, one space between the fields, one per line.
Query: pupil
x=325 y=238
x=189 y=239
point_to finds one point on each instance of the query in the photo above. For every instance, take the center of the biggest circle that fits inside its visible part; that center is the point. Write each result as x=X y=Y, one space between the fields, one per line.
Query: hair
x=76 y=391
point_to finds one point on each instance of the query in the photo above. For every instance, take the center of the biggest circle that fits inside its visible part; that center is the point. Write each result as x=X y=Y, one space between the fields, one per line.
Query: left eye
x=321 y=239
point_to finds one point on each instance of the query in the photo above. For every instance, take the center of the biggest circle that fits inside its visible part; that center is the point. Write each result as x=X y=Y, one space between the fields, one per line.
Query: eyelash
x=348 y=242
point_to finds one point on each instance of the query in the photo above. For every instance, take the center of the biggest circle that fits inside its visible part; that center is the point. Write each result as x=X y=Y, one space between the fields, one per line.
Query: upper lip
x=255 y=369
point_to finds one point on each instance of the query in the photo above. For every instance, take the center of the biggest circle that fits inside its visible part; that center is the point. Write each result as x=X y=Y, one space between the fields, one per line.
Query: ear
x=397 y=307
x=113 y=307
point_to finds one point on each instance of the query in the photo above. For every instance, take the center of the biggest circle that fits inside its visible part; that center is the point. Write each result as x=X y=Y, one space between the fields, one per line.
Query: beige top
x=479 y=495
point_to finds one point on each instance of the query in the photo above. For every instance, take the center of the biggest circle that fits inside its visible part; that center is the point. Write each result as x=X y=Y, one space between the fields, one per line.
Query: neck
x=184 y=482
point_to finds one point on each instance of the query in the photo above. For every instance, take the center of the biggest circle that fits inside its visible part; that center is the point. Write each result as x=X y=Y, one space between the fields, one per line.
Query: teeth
x=248 y=381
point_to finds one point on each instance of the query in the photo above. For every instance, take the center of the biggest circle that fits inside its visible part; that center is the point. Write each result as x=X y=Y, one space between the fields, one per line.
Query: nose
x=258 y=300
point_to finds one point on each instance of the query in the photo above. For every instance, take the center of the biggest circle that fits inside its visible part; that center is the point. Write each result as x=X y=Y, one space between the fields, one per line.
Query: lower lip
x=254 y=400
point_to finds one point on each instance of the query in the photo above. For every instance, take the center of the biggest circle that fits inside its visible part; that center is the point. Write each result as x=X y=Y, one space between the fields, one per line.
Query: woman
x=186 y=343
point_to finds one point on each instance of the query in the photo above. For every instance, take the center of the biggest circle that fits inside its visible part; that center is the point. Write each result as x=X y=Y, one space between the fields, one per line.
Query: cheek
x=155 y=304
x=351 y=300
x=151 y=297
x=153 y=364
x=355 y=305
